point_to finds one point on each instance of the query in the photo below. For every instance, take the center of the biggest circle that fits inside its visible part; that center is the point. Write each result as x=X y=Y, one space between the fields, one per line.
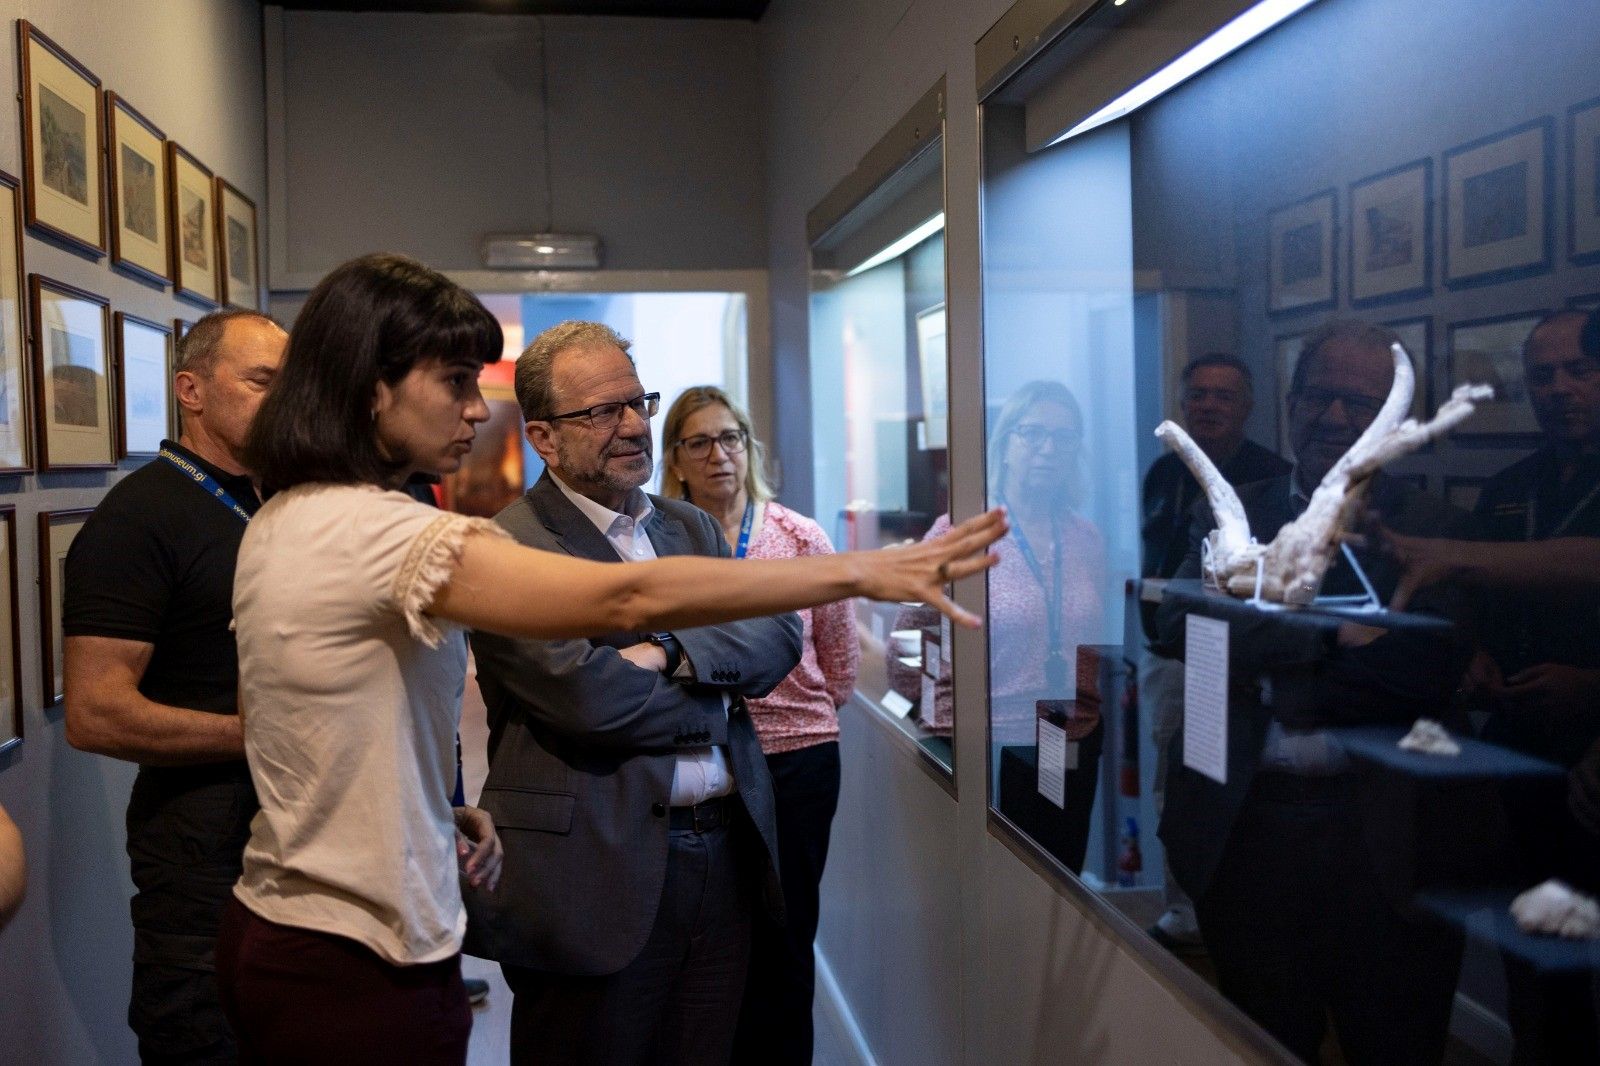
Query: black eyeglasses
x=606 y=415
x=1317 y=402
x=731 y=441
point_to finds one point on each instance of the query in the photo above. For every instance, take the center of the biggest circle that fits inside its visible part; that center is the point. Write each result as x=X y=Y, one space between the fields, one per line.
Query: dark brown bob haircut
x=372 y=319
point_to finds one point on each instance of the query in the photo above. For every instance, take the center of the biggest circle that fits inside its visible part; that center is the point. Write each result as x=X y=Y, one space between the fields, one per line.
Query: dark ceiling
x=700 y=9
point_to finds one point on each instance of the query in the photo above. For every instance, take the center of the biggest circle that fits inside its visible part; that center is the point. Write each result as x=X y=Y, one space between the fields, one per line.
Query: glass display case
x=879 y=391
x=1302 y=232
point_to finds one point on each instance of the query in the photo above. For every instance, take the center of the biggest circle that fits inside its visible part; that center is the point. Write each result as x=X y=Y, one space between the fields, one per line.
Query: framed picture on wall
x=935 y=378
x=193 y=210
x=1301 y=256
x=1391 y=235
x=1416 y=337
x=16 y=395
x=1585 y=303
x=57 y=529
x=1497 y=194
x=236 y=248
x=1286 y=351
x=1462 y=492
x=72 y=365
x=144 y=385
x=1583 y=181
x=63 y=142
x=1488 y=351
x=137 y=167
x=10 y=628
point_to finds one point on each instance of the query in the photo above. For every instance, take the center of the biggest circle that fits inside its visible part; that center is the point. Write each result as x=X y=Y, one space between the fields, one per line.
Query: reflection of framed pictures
x=1285 y=357
x=1497 y=194
x=63 y=141
x=236 y=248
x=1301 y=255
x=193 y=211
x=1585 y=303
x=10 y=627
x=72 y=366
x=1583 y=182
x=56 y=532
x=144 y=385
x=1416 y=481
x=1416 y=337
x=935 y=378
x=1391 y=234
x=16 y=398
x=1462 y=492
x=137 y=167
x=1488 y=351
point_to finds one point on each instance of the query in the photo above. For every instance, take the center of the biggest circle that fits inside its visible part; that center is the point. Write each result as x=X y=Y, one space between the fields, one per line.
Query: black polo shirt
x=155 y=563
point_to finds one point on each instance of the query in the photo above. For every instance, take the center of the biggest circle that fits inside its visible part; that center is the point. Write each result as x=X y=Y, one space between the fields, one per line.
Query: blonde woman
x=712 y=459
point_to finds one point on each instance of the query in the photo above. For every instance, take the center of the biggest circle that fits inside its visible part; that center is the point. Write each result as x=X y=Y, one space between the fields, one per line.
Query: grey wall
x=422 y=133
x=946 y=945
x=194 y=68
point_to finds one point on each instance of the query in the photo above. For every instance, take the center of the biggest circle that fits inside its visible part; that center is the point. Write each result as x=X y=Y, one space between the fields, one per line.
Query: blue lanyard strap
x=744 y=530
x=205 y=481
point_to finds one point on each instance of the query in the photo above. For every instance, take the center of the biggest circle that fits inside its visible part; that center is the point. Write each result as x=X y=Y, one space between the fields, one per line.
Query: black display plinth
x=1478 y=761
x=1191 y=594
x=1062 y=831
x=1486 y=914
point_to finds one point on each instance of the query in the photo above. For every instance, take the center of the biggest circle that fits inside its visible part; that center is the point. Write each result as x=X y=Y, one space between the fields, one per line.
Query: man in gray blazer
x=624 y=773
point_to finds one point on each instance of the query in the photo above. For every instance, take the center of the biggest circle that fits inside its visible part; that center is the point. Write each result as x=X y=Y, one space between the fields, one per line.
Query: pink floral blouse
x=803 y=710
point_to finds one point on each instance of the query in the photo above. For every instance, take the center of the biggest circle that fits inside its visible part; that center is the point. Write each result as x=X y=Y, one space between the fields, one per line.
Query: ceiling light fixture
x=901 y=246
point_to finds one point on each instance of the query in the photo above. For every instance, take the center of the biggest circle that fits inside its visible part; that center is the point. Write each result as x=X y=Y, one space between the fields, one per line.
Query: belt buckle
x=712 y=811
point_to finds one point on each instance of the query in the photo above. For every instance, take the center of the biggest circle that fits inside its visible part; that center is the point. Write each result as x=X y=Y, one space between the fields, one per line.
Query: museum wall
x=433 y=130
x=193 y=67
x=1001 y=966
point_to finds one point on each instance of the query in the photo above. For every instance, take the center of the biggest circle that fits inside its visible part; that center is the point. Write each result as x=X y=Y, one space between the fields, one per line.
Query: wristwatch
x=669 y=644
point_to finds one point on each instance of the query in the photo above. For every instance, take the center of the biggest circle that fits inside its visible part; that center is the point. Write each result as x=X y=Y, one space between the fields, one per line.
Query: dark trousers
x=1300 y=931
x=297 y=997
x=775 y=1021
x=676 y=1004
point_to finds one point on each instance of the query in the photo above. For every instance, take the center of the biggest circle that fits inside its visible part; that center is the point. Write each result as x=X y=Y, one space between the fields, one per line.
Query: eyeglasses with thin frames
x=606 y=415
x=731 y=441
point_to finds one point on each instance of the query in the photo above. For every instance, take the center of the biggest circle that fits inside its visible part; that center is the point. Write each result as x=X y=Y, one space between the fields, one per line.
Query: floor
x=491 y=1022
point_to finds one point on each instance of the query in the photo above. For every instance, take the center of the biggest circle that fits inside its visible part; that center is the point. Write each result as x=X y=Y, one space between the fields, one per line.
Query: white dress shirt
x=700 y=773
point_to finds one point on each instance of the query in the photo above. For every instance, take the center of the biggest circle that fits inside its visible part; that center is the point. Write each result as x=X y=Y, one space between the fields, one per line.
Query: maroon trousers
x=303 y=997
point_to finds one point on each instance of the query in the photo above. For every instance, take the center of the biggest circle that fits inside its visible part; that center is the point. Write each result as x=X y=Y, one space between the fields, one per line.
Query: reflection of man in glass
x=1279 y=859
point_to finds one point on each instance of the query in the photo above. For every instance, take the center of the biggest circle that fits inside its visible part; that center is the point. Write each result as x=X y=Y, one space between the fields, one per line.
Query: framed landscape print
x=1301 y=256
x=72 y=365
x=1585 y=303
x=1488 y=351
x=193 y=210
x=16 y=397
x=137 y=166
x=10 y=645
x=1583 y=182
x=1391 y=234
x=144 y=385
x=63 y=141
x=236 y=246
x=1416 y=337
x=56 y=532
x=1497 y=195
x=1285 y=357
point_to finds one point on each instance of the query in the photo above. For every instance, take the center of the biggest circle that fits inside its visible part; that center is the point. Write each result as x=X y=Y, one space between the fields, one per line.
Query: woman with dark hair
x=343 y=939
x=712 y=459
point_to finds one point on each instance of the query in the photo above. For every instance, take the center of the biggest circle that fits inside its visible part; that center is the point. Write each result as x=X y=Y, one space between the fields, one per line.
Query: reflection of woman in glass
x=713 y=460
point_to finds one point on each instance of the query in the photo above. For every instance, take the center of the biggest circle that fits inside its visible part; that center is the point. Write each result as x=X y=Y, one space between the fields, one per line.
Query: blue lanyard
x=744 y=529
x=207 y=482
x=1055 y=667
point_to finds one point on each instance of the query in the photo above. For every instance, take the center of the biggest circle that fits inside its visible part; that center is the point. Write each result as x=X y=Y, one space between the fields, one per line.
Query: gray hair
x=535 y=376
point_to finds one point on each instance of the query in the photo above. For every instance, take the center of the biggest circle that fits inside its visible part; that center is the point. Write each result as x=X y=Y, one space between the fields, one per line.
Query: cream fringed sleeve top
x=351 y=696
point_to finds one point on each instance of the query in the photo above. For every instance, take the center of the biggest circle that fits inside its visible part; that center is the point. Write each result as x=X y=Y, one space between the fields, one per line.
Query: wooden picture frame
x=1303 y=254
x=57 y=529
x=136 y=164
x=238 y=249
x=1498 y=194
x=1391 y=235
x=63 y=144
x=1416 y=336
x=1586 y=302
x=1286 y=349
x=192 y=209
x=11 y=726
x=1489 y=351
x=1583 y=182
x=16 y=379
x=144 y=385
x=72 y=369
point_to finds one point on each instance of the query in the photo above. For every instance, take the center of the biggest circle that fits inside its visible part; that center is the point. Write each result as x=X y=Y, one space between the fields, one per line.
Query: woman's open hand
x=920 y=572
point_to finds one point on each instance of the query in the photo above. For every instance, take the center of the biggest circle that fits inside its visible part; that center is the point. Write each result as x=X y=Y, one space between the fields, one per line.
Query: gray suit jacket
x=582 y=746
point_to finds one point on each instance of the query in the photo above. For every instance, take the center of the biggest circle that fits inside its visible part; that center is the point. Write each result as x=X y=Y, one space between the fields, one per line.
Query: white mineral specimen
x=1557 y=909
x=1430 y=738
x=1290 y=569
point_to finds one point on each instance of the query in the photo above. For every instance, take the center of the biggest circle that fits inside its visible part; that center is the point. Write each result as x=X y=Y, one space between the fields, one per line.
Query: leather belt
x=703 y=817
